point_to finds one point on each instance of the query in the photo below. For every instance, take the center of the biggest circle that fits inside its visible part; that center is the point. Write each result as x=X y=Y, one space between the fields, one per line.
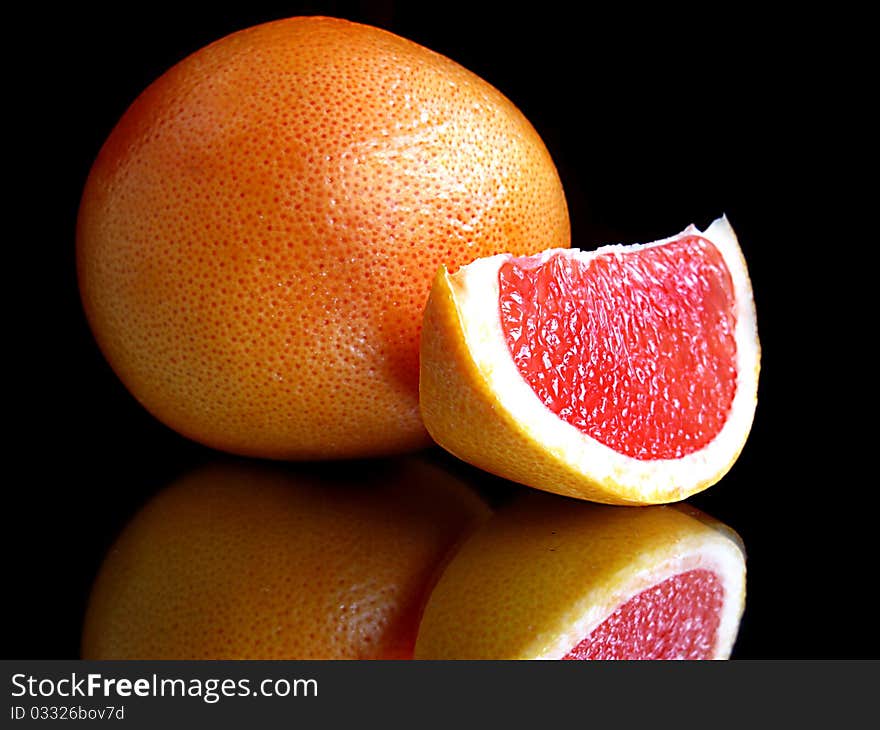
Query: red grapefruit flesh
x=625 y=375
x=634 y=349
x=675 y=619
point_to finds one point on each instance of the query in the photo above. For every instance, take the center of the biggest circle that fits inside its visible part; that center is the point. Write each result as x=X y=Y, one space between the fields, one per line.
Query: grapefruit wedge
x=626 y=375
x=553 y=578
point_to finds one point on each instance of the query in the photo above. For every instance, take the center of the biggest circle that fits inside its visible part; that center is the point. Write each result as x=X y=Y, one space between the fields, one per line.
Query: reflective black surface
x=654 y=121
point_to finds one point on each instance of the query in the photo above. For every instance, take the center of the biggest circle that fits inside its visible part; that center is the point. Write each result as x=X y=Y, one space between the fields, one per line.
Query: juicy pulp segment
x=676 y=619
x=634 y=348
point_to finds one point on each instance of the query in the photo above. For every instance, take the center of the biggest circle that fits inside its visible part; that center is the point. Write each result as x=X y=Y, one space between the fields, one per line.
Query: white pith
x=476 y=291
x=717 y=554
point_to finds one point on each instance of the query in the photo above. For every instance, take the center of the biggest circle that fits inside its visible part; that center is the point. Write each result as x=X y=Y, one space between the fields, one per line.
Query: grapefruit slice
x=625 y=375
x=553 y=578
x=256 y=561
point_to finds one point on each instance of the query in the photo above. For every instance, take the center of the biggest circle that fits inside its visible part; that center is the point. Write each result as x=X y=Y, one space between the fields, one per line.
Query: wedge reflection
x=548 y=577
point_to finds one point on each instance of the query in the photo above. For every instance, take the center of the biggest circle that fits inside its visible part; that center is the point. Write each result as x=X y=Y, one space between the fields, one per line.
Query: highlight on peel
x=248 y=561
x=626 y=375
x=548 y=577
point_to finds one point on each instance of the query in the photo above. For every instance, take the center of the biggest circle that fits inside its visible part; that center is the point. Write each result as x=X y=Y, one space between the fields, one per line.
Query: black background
x=655 y=119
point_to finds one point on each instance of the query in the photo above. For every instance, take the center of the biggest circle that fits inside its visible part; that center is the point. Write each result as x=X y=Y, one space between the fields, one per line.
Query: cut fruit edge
x=470 y=381
x=496 y=599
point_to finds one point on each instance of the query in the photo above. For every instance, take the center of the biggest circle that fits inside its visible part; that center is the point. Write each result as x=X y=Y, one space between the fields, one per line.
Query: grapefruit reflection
x=254 y=561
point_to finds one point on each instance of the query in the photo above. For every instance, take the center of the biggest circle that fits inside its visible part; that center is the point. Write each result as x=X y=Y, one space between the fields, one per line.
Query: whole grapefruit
x=258 y=235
